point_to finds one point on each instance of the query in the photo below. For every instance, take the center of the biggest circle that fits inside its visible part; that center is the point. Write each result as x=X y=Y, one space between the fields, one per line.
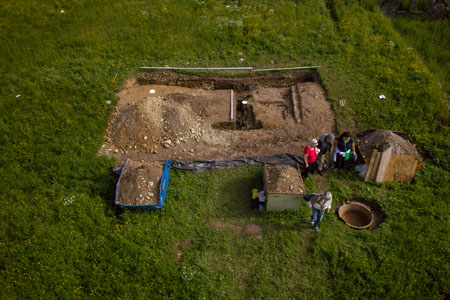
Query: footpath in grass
x=61 y=236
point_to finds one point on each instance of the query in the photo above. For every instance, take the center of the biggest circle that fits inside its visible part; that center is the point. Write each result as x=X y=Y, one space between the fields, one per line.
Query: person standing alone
x=310 y=158
x=319 y=204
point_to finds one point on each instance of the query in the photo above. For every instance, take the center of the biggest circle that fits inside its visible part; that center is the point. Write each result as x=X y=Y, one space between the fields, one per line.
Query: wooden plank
x=384 y=163
x=401 y=168
x=413 y=169
x=370 y=168
x=404 y=167
x=376 y=164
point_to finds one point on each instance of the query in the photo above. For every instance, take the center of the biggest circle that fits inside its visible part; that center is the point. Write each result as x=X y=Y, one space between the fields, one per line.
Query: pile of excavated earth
x=139 y=184
x=284 y=179
x=380 y=140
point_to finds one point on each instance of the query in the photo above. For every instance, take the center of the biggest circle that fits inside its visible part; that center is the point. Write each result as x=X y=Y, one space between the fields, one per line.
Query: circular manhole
x=356 y=215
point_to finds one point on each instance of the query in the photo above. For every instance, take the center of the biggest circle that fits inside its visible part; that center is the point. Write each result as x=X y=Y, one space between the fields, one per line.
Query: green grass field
x=61 y=236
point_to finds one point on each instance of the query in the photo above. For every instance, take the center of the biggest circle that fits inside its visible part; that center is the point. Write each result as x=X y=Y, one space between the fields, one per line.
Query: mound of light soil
x=381 y=140
x=139 y=184
x=150 y=123
x=284 y=179
x=137 y=126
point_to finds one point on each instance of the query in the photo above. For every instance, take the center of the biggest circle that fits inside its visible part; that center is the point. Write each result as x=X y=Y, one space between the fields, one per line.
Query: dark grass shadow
x=235 y=194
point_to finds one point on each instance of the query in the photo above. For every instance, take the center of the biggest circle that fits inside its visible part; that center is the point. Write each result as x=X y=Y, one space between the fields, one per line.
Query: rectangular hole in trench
x=245 y=119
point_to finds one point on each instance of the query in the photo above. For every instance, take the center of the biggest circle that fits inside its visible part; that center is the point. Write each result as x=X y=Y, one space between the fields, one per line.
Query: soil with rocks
x=284 y=179
x=380 y=140
x=165 y=115
x=139 y=184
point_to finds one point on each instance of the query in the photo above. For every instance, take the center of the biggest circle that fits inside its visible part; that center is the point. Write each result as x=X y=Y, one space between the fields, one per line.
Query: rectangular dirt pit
x=140 y=183
x=160 y=116
x=284 y=187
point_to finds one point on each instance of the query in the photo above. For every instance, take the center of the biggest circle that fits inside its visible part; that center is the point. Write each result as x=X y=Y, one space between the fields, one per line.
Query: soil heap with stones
x=380 y=140
x=284 y=179
x=139 y=184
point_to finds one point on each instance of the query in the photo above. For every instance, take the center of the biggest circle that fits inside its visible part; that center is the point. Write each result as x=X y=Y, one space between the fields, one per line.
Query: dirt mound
x=139 y=184
x=284 y=179
x=137 y=126
x=180 y=123
x=381 y=140
x=150 y=123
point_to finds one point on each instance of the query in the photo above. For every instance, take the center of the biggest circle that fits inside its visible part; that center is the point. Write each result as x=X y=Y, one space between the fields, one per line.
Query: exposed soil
x=178 y=247
x=255 y=231
x=251 y=229
x=381 y=140
x=139 y=184
x=188 y=116
x=284 y=179
x=224 y=225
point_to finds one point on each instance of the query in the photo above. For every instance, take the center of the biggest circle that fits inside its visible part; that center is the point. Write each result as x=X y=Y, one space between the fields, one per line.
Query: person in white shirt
x=319 y=204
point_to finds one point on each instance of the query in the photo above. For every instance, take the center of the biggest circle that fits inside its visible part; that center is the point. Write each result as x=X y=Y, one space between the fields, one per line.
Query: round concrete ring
x=359 y=211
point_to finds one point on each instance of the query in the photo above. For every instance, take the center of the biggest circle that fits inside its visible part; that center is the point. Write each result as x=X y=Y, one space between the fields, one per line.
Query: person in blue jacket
x=343 y=149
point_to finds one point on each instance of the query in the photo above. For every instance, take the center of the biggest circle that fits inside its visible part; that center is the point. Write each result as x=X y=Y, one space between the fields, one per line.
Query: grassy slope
x=61 y=236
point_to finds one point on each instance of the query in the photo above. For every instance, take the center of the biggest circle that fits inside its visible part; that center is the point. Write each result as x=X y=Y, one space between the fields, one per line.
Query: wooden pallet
x=387 y=167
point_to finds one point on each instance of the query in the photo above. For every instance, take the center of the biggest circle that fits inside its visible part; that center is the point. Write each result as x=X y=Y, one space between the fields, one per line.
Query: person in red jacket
x=310 y=158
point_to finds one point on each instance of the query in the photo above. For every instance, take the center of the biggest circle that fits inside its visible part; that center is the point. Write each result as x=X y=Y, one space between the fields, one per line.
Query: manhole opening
x=361 y=214
x=245 y=119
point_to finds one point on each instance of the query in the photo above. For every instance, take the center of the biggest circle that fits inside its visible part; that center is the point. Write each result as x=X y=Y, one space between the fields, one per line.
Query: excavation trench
x=166 y=115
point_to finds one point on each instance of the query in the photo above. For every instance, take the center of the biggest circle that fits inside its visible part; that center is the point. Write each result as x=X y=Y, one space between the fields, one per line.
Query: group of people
x=315 y=154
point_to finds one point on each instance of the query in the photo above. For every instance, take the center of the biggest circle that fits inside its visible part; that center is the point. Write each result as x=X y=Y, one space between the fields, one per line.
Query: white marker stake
x=231 y=105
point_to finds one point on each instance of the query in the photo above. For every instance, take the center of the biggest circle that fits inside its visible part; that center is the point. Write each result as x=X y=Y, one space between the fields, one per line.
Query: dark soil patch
x=433 y=9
